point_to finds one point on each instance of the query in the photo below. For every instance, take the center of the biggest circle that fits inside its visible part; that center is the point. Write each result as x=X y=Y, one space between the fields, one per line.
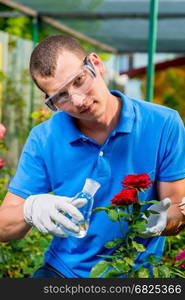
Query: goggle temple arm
x=88 y=63
x=48 y=102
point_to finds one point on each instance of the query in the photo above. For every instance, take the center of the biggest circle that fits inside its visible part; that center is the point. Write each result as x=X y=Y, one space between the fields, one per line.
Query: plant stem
x=128 y=210
x=120 y=224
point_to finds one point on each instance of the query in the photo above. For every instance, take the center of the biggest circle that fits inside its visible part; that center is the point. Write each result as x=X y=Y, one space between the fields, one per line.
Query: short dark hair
x=44 y=56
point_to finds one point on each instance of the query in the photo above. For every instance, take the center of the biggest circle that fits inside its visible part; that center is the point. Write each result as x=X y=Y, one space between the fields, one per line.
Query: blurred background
x=142 y=43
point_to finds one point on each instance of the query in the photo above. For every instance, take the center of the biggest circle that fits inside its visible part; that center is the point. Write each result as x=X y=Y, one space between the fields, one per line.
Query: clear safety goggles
x=76 y=85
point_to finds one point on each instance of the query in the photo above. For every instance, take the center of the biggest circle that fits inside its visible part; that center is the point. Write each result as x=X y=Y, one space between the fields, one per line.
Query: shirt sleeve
x=31 y=175
x=172 y=152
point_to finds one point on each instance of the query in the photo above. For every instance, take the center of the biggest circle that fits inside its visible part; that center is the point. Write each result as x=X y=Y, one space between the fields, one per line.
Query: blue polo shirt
x=57 y=158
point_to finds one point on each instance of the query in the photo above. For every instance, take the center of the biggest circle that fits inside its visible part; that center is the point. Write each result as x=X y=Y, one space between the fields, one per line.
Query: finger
x=64 y=198
x=53 y=229
x=77 y=202
x=46 y=224
x=58 y=218
x=182 y=202
x=56 y=230
x=183 y=210
x=156 y=230
x=165 y=203
x=70 y=209
x=155 y=208
x=80 y=202
x=39 y=225
x=152 y=220
x=42 y=229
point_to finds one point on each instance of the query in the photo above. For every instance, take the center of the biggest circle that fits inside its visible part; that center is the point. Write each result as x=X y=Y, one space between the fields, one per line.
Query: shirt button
x=101 y=153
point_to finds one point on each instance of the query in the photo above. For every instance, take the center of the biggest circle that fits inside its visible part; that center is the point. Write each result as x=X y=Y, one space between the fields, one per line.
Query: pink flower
x=2 y=163
x=180 y=256
x=2 y=131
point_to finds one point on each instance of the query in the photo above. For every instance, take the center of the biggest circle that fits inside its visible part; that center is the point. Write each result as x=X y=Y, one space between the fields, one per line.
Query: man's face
x=85 y=99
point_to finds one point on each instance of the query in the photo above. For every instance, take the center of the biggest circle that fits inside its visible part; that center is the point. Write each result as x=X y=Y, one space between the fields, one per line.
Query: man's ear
x=98 y=63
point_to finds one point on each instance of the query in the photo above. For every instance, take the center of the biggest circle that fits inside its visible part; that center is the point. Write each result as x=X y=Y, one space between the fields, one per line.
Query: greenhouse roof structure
x=117 y=26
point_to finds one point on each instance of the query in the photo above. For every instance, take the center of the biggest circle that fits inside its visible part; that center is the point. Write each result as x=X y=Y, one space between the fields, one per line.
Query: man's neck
x=100 y=129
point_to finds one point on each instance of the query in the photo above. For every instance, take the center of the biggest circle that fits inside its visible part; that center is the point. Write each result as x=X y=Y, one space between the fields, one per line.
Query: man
x=95 y=134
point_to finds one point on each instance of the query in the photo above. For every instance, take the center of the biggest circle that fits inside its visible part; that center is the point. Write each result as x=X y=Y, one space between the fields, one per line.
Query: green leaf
x=154 y=212
x=113 y=274
x=113 y=215
x=145 y=213
x=122 y=214
x=179 y=273
x=138 y=247
x=113 y=243
x=177 y=263
x=152 y=260
x=155 y=272
x=143 y=273
x=121 y=249
x=150 y=202
x=161 y=272
x=140 y=227
x=121 y=266
x=99 y=269
x=106 y=256
x=129 y=261
x=131 y=235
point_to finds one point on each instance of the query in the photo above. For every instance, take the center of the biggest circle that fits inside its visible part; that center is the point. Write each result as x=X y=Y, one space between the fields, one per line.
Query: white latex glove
x=182 y=206
x=156 y=223
x=44 y=211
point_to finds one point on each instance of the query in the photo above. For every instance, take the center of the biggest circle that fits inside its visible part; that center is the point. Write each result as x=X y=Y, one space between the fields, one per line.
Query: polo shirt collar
x=127 y=116
x=125 y=124
x=72 y=133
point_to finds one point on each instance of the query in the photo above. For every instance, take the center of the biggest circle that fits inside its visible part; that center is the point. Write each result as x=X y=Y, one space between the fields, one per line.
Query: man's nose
x=77 y=100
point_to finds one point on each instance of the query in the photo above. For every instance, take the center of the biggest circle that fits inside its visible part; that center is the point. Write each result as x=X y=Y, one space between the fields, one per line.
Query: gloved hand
x=156 y=223
x=44 y=211
x=182 y=206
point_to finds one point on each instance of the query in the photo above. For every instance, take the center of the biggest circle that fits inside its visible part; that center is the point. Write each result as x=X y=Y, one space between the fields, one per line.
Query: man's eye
x=60 y=96
x=63 y=94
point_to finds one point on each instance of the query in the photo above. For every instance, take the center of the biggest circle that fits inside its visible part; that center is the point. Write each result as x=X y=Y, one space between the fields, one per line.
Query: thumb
x=165 y=203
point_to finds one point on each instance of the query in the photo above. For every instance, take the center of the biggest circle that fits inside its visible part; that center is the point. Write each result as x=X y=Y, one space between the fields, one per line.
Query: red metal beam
x=159 y=66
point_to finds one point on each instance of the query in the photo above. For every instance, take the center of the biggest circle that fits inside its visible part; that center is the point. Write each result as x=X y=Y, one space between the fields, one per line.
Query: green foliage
x=113 y=215
x=13 y=100
x=40 y=115
x=174 y=97
x=169 y=88
x=99 y=268
x=20 y=258
x=127 y=248
x=19 y=26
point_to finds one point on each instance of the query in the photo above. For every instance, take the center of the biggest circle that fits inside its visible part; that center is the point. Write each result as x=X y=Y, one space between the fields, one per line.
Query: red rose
x=126 y=196
x=1 y=163
x=142 y=181
x=2 y=131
